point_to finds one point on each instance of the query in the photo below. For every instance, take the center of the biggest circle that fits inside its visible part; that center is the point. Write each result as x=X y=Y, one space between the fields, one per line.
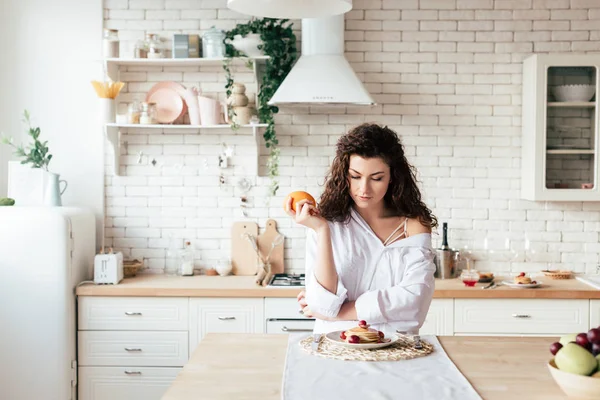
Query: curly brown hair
x=368 y=141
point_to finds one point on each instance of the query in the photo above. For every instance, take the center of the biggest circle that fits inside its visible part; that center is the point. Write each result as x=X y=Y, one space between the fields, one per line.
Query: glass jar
x=140 y=49
x=469 y=277
x=186 y=261
x=133 y=113
x=155 y=48
x=110 y=43
x=148 y=114
x=212 y=43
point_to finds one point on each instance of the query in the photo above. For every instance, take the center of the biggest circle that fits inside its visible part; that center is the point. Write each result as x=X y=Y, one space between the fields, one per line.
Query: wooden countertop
x=244 y=286
x=499 y=368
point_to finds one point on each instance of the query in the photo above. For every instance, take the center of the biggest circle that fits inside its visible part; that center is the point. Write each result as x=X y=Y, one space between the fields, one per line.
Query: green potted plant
x=37 y=155
x=279 y=43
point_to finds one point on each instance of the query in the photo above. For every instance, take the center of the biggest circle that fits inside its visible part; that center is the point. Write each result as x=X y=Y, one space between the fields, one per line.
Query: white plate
x=334 y=337
x=522 y=285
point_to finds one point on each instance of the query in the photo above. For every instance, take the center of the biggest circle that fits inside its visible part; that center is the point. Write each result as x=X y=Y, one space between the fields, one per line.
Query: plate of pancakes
x=361 y=337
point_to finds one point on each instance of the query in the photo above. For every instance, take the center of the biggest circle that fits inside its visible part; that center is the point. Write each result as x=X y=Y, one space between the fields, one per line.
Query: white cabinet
x=539 y=317
x=559 y=158
x=130 y=347
x=594 y=313
x=440 y=318
x=282 y=316
x=224 y=315
x=124 y=383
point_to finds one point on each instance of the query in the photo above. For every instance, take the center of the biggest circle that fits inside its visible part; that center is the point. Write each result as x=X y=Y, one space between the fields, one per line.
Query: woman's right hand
x=306 y=214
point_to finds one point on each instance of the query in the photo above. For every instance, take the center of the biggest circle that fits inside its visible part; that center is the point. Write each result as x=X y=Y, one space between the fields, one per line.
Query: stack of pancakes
x=366 y=335
x=522 y=280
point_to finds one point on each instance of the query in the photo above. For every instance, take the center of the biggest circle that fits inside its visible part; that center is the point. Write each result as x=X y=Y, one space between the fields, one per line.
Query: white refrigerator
x=44 y=253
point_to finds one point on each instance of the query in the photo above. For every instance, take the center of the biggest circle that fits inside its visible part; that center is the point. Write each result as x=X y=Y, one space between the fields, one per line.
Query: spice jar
x=133 y=113
x=212 y=43
x=110 y=43
x=140 y=50
x=148 y=114
x=155 y=48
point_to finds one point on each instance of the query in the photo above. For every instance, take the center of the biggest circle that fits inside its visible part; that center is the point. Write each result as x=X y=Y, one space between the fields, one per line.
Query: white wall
x=447 y=76
x=50 y=52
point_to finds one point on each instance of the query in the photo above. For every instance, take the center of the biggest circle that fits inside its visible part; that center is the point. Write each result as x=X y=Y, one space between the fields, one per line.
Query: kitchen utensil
x=108 y=268
x=178 y=87
x=334 y=337
x=489 y=285
x=244 y=260
x=315 y=342
x=271 y=248
x=169 y=105
x=418 y=344
x=212 y=112
x=445 y=259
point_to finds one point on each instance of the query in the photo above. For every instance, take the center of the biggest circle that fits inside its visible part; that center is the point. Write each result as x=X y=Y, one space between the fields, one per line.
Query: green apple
x=567 y=338
x=575 y=359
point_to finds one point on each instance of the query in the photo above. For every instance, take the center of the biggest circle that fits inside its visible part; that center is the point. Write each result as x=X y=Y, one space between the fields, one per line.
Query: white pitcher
x=212 y=112
x=52 y=190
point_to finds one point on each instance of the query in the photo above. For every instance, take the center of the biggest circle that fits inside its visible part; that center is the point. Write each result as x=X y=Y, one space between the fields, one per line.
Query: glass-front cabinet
x=560 y=128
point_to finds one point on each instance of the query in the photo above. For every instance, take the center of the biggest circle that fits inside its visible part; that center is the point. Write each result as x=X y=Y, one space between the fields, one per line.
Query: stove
x=287 y=280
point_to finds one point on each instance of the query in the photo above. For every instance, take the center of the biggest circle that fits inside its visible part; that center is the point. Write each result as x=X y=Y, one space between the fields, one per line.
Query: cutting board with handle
x=244 y=260
x=265 y=242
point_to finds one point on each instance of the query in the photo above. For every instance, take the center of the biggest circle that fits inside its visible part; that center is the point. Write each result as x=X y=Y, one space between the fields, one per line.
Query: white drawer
x=440 y=318
x=224 y=315
x=133 y=313
x=280 y=307
x=277 y=325
x=518 y=316
x=133 y=348
x=124 y=383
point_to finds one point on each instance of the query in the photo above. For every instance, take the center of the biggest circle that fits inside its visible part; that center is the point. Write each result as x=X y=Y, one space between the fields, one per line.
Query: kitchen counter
x=499 y=368
x=244 y=286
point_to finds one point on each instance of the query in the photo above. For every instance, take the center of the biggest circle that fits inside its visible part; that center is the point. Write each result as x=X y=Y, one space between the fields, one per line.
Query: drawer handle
x=133 y=373
x=132 y=349
x=226 y=318
x=521 y=316
x=286 y=329
x=132 y=313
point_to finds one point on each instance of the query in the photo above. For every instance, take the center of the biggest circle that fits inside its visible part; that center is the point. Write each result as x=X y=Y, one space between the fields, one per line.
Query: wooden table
x=238 y=366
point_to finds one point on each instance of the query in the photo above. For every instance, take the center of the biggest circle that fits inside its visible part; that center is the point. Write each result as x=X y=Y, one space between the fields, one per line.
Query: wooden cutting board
x=265 y=240
x=244 y=260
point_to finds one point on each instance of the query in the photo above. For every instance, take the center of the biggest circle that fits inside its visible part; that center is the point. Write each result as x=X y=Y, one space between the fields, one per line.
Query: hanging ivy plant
x=279 y=43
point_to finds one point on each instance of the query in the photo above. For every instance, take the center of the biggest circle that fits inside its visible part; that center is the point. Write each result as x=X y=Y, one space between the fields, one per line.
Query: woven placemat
x=403 y=349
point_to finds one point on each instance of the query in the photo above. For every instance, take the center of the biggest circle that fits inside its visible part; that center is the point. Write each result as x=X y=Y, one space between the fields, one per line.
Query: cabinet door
x=543 y=317
x=594 y=313
x=440 y=318
x=281 y=325
x=123 y=383
x=224 y=315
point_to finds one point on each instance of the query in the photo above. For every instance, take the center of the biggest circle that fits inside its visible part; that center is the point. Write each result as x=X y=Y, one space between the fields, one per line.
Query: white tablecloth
x=433 y=377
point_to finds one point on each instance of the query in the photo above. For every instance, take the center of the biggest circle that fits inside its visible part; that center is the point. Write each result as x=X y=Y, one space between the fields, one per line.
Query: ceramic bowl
x=575 y=386
x=564 y=93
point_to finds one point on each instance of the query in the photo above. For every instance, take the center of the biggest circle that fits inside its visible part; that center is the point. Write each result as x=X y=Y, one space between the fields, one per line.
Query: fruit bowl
x=577 y=386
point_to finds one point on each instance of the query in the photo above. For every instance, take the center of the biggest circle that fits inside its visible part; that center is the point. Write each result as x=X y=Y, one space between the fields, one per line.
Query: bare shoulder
x=414 y=227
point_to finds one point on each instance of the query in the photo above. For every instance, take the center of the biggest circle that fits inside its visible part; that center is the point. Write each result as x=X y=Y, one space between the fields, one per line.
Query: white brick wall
x=447 y=77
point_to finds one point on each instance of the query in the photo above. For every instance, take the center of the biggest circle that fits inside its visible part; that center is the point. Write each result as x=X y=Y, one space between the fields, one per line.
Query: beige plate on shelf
x=334 y=337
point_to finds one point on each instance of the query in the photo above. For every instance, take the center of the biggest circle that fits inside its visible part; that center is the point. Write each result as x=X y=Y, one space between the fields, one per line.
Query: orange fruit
x=297 y=196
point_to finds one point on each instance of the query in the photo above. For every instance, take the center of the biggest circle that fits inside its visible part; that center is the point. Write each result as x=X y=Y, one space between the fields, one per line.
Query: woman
x=368 y=249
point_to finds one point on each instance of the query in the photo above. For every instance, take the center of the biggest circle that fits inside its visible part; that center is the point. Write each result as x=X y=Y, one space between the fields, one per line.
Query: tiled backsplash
x=447 y=77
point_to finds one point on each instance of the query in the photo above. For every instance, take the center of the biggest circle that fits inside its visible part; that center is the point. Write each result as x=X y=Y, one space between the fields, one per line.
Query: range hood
x=322 y=75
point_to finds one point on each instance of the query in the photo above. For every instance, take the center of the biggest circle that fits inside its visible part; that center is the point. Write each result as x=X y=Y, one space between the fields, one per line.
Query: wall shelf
x=572 y=104
x=113 y=134
x=570 y=151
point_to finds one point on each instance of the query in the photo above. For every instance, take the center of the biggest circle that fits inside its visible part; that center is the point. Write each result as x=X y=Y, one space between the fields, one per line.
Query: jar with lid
x=148 y=114
x=133 y=113
x=155 y=48
x=140 y=49
x=186 y=261
x=110 y=43
x=212 y=43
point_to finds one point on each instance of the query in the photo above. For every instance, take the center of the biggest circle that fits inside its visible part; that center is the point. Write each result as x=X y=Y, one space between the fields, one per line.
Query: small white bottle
x=186 y=261
x=110 y=43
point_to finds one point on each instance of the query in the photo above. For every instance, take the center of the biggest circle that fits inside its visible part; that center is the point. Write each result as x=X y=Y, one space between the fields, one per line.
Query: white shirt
x=392 y=285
